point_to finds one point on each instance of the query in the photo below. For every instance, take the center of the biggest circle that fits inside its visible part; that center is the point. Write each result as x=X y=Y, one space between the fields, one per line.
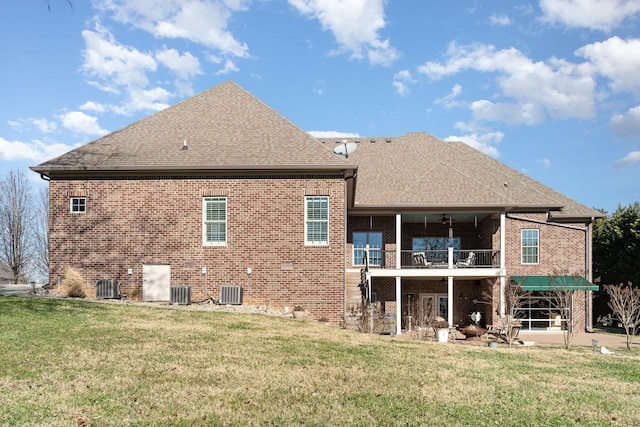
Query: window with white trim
x=78 y=205
x=214 y=221
x=316 y=224
x=530 y=244
x=371 y=240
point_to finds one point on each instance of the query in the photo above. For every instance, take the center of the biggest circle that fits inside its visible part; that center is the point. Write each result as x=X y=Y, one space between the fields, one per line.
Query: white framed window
x=214 y=221
x=364 y=239
x=530 y=244
x=78 y=205
x=316 y=224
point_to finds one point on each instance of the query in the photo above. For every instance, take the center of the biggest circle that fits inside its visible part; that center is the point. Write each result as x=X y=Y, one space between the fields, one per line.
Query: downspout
x=503 y=263
x=589 y=264
x=398 y=278
x=450 y=288
x=588 y=260
x=344 y=244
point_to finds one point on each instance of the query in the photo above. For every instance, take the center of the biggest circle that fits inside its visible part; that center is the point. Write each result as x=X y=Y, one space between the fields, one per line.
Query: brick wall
x=133 y=222
x=561 y=251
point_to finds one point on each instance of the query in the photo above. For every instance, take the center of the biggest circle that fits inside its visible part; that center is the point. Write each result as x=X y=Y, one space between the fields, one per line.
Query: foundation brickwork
x=129 y=223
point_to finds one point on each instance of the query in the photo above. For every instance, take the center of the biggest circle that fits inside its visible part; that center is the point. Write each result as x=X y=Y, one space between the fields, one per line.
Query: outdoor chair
x=506 y=330
x=420 y=259
x=470 y=261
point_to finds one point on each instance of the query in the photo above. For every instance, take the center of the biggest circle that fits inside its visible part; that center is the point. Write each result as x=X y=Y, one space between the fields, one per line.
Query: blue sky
x=549 y=87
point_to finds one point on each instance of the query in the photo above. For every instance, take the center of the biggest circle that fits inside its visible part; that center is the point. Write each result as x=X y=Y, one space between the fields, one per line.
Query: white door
x=156 y=282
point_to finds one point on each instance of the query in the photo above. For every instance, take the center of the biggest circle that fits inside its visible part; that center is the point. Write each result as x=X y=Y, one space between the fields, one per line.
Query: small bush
x=72 y=284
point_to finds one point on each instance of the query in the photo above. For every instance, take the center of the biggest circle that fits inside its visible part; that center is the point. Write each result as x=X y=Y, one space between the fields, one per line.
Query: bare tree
x=561 y=297
x=514 y=296
x=41 y=233
x=508 y=326
x=16 y=223
x=624 y=301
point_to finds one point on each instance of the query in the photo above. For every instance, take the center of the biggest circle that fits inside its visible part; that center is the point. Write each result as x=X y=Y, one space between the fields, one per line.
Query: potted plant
x=298 y=312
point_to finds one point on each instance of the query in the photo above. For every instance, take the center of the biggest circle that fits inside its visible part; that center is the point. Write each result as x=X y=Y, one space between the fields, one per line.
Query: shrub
x=72 y=284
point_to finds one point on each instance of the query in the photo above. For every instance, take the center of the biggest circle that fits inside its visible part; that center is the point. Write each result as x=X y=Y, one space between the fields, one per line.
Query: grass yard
x=80 y=363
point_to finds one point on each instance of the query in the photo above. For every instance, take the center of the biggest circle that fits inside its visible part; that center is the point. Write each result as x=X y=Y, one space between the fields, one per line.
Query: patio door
x=434 y=305
x=156 y=282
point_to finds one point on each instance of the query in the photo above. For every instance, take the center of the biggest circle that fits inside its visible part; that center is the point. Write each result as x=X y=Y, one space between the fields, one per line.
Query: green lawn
x=71 y=362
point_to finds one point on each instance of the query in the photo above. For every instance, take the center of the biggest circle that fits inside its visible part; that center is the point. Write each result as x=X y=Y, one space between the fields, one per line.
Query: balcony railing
x=439 y=259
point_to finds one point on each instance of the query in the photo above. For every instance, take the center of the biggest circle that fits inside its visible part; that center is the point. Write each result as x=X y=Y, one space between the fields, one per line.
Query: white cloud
x=117 y=68
x=616 y=59
x=401 y=82
x=229 y=67
x=401 y=88
x=593 y=14
x=79 y=122
x=630 y=159
x=485 y=143
x=512 y=113
x=499 y=20
x=44 y=125
x=113 y=64
x=93 y=106
x=355 y=24
x=200 y=21
x=545 y=162
x=184 y=66
x=332 y=134
x=16 y=125
x=318 y=88
x=558 y=87
x=627 y=124
x=144 y=100
x=36 y=150
x=449 y=100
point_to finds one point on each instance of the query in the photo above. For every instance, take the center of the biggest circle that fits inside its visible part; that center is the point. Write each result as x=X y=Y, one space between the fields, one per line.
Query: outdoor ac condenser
x=181 y=295
x=107 y=289
x=230 y=295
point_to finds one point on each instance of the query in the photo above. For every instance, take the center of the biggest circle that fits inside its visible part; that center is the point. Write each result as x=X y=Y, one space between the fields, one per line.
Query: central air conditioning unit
x=181 y=295
x=230 y=295
x=108 y=289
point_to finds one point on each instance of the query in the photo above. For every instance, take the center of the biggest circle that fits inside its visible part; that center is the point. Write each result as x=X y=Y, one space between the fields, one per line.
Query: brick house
x=220 y=191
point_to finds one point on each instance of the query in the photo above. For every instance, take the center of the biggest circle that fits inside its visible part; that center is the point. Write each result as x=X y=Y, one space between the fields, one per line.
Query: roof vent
x=184 y=145
x=388 y=140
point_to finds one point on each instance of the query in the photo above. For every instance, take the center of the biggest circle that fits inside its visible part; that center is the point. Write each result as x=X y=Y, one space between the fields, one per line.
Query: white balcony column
x=503 y=262
x=450 y=256
x=450 y=300
x=398 y=305
x=398 y=240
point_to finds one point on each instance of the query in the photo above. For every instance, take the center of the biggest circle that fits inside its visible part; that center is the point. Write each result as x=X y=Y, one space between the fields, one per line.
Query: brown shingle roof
x=418 y=170
x=225 y=128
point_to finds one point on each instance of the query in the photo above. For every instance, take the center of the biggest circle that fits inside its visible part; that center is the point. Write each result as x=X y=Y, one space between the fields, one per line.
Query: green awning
x=547 y=283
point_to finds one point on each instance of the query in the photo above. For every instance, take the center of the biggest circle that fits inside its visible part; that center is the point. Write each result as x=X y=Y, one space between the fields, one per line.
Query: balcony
x=428 y=259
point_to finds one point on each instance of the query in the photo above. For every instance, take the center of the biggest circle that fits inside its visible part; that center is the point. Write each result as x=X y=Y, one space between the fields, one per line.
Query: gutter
x=588 y=260
x=537 y=221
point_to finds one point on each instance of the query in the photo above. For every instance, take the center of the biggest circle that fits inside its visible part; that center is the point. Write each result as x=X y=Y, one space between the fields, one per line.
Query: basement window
x=78 y=205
